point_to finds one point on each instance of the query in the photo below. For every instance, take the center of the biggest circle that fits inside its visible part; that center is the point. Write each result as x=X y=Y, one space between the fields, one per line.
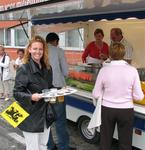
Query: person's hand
x=103 y=56
x=36 y=96
x=16 y=66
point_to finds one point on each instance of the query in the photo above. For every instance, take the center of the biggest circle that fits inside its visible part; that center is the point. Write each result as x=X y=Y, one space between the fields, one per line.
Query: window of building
x=73 y=39
x=1 y=36
x=69 y=40
x=8 y=37
x=20 y=36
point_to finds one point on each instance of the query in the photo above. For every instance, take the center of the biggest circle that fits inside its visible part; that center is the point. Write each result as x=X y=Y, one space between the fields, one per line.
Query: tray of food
x=54 y=92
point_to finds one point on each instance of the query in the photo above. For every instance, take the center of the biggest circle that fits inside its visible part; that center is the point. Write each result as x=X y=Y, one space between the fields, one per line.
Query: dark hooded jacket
x=31 y=79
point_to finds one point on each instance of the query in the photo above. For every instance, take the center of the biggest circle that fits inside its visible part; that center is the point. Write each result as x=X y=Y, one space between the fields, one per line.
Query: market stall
x=91 y=14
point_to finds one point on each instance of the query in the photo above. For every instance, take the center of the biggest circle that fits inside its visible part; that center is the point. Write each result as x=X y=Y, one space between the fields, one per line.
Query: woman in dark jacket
x=31 y=78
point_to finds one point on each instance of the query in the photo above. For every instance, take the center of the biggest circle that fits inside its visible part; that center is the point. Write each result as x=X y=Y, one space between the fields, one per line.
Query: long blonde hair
x=44 y=60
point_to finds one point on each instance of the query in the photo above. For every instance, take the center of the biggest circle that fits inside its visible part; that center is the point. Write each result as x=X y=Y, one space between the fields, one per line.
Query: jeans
x=61 y=128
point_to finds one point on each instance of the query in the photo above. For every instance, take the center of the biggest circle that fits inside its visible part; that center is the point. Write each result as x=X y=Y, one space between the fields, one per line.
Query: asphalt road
x=8 y=136
x=12 y=138
x=75 y=139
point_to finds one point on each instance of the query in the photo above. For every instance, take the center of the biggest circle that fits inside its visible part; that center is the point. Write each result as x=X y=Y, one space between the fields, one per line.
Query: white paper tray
x=61 y=92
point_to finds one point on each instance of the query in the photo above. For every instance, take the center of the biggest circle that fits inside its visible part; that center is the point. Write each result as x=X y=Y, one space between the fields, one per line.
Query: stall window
x=1 y=36
x=73 y=39
x=20 y=37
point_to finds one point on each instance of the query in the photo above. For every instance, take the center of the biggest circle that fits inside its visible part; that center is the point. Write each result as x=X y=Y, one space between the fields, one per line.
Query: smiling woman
x=31 y=78
x=36 y=51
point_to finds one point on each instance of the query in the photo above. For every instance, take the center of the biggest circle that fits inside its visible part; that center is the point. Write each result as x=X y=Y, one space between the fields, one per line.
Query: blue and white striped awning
x=99 y=10
x=83 y=18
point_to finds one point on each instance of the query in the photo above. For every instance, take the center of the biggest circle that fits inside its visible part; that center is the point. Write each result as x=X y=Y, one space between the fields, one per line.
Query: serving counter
x=83 y=76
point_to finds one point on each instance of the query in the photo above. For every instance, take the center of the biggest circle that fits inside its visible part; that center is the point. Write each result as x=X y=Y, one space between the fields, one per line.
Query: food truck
x=82 y=76
x=60 y=16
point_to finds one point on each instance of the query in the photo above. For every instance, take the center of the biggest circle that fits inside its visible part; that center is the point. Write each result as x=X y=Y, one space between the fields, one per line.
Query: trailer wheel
x=85 y=133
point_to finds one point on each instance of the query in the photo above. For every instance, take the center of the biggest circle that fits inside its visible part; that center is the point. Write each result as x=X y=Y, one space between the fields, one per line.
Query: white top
x=128 y=49
x=18 y=61
x=6 y=68
x=91 y=60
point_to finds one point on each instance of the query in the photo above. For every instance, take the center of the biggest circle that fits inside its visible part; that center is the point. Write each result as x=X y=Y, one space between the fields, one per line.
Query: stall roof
x=85 y=10
x=64 y=11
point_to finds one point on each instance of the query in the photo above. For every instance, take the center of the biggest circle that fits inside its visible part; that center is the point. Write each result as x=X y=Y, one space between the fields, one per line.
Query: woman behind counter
x=119 y=82
x=96 y=51
x=34 y=76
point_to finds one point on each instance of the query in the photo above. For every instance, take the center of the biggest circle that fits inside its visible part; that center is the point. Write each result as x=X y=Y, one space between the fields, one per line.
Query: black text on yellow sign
x=14 y=114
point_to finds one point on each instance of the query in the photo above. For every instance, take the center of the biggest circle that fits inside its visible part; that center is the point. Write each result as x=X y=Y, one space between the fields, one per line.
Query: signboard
x=19 y=3
x=14 y=114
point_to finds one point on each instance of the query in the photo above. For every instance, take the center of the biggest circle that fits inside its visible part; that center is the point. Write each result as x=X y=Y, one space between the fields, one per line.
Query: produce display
x=83 y=76
x=80 y=85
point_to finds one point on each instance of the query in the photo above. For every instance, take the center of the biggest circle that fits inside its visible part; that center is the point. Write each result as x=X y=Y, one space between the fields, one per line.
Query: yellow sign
x=14 y=114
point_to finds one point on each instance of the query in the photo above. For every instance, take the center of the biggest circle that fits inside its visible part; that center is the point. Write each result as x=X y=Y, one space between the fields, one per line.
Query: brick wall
x=12 y=52
x=5 y=2
x=72 y=57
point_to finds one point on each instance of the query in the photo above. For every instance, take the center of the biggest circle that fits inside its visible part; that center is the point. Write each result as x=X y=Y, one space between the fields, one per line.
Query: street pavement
x=7 y=140
x=12 y=138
